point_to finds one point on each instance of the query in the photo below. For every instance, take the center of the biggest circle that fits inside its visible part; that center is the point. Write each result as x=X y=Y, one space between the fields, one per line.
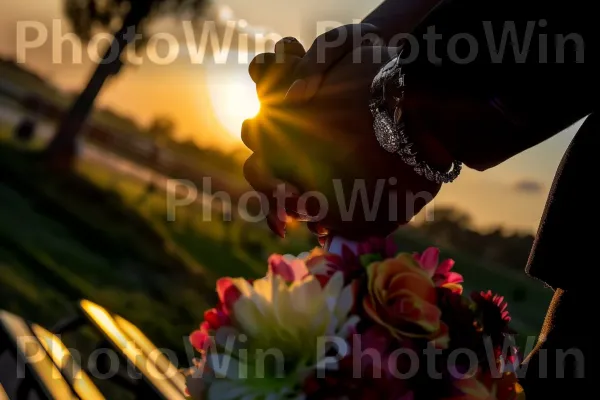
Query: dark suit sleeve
x=530 y=66
x=521 y=99
x=546 y=80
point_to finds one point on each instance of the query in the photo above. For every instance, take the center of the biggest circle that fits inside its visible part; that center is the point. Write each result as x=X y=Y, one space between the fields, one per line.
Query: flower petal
x=454 y=277
x=445 y=266
x=199 y=339
x=429 y=260
x=278 y=265
x=345 y=302
x=222 y=285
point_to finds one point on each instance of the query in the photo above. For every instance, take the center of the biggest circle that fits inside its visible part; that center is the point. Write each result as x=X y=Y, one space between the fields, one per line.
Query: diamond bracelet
x=390 y=131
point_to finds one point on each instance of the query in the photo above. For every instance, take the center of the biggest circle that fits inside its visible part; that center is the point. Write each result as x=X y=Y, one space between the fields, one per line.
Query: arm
x=493 y=107
x=481 y=112
x=511 y=106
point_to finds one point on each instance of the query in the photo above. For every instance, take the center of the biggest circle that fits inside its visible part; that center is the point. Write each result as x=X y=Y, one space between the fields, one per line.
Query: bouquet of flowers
x=362 y=323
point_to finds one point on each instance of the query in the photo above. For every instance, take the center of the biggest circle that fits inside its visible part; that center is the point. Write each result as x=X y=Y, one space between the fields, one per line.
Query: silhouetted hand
x=338 y=177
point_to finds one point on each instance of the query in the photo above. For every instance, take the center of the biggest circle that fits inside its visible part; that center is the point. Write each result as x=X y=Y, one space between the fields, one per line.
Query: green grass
x=58 y=259
x=61 y=244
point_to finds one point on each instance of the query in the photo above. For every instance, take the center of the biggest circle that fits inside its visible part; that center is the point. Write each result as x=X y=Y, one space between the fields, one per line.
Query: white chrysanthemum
x=288 y=328
x=292 y=317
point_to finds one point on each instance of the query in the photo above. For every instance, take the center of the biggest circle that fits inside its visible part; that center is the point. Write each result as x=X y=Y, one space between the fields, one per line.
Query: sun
x=233 y=102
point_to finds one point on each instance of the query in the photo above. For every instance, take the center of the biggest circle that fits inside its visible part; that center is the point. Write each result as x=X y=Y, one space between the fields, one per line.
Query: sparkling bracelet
x=390 y=130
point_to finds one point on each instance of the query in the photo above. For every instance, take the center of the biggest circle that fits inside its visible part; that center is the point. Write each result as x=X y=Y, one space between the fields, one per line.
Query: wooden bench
x=33 y=369
x=159 y=375
x=152 y=353
x=77 y=378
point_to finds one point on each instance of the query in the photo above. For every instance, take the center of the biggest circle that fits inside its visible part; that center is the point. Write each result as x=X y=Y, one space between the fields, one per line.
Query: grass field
x=49 y=260
x=119 y=250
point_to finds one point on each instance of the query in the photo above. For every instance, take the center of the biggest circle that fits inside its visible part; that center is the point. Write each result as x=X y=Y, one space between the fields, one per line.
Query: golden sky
x=512 y=194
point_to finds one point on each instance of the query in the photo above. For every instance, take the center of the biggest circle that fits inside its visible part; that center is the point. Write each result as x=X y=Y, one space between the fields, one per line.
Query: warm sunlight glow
x=233 y=102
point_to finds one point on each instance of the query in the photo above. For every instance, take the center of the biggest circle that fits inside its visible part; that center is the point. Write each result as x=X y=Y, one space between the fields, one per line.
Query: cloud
x=529 y=187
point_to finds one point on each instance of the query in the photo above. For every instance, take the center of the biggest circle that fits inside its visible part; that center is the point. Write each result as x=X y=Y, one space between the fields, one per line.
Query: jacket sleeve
x=511 y=73
x=545 y=80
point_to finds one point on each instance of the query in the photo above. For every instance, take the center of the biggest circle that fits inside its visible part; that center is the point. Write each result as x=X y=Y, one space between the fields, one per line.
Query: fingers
x=250 y=131
x=273 y=75
x=287 y=47
x=272 y=72
x=325 y=52
x=290 y=46
x=297 y=92
x=276 y=195
x=257 y=176
x=259 y=66
x=259 y=134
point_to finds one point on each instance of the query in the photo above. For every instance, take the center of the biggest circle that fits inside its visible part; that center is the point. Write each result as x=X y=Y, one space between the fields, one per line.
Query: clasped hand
x=313 y=140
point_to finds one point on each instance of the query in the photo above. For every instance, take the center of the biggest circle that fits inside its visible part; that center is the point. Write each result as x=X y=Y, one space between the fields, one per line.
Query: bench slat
x=105 y=322
x=152 y=353
x=31 y=352
x=73 y=373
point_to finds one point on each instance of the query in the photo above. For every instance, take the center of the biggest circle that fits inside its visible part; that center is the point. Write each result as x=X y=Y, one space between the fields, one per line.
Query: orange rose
x=402 y=298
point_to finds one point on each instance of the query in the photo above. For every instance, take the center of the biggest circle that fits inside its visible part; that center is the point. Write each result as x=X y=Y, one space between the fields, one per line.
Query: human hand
x=295 y=74
x=327 y=150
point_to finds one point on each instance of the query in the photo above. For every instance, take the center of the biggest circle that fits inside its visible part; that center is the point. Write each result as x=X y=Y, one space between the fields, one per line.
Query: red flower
x=440 y=272
x=201 y=338
x=228 y=294
x=494 y=321
x=216 y=317
x=499 y=302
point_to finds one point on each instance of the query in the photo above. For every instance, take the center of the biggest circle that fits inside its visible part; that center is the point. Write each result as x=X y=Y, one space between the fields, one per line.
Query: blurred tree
x=24 y=132
x=127 y=19
x=448 y=226
x=453 y=228
x=161 y=129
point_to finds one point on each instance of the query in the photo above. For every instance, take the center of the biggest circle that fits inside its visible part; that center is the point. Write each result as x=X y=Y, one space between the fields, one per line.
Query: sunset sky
x=207 y=101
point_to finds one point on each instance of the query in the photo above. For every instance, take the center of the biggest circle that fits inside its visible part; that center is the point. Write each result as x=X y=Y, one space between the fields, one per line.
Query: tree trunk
x=61 y=152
